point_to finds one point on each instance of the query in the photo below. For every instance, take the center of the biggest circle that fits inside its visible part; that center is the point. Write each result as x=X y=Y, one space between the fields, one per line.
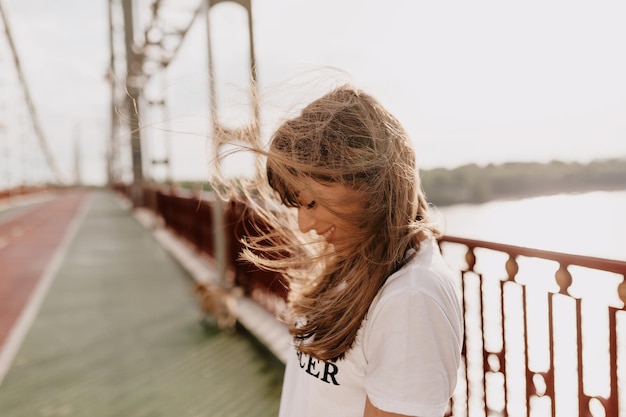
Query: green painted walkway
x=119 y=334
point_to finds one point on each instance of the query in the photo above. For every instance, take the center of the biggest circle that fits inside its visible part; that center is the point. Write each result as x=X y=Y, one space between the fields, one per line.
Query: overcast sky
x=473 y=82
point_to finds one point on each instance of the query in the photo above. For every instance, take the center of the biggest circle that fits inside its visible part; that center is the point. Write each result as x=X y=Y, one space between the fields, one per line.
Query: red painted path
x=28 y=241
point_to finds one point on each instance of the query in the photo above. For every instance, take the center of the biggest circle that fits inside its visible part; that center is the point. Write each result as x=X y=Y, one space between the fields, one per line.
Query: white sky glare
x=473 y=82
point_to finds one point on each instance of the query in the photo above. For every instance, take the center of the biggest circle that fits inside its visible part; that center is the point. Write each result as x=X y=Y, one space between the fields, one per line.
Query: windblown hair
x=346 y=137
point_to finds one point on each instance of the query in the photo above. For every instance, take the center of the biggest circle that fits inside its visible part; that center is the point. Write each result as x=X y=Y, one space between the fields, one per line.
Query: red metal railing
x=25 y=190
x=536 y=344
x=190 y=216
x=544 y=330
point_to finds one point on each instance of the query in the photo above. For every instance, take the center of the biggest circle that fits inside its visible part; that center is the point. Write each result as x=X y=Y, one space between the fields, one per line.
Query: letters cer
x=308 y=364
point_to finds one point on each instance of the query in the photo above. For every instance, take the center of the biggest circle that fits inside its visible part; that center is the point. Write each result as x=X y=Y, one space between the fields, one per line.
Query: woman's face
x=333 y=211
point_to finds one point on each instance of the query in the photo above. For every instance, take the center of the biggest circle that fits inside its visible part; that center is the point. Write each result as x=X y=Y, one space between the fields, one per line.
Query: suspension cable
x=43 y=143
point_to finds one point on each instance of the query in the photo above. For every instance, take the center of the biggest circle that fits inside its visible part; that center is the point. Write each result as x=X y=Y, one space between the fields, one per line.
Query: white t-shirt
x=406 y=354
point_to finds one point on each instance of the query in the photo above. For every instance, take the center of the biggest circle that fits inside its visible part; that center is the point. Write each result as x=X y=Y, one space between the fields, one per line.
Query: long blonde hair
x=345 y=137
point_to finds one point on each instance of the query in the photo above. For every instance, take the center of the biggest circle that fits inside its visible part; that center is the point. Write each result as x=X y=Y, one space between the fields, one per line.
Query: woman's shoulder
x=425 y=282
x=423 y=266
x=425 y=278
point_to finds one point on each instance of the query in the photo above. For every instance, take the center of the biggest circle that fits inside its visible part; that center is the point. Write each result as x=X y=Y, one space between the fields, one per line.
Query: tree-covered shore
x=478 y=184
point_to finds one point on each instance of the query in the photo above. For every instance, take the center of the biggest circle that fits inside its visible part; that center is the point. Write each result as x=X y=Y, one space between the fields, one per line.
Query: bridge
x=129 y=300
x=99 y=318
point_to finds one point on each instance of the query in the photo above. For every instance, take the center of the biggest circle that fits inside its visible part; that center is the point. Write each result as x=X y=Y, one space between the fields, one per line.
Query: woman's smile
x=333 y=211
x=328 y=234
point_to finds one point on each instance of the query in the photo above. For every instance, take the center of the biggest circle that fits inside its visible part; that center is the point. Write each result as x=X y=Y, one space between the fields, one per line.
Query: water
x=592 y=224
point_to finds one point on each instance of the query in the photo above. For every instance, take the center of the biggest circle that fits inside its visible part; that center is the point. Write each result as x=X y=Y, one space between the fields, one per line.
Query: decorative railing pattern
x=545 y=331
x=540 y=345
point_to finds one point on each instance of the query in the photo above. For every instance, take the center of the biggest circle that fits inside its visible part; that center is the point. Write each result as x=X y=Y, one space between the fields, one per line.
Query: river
x=592 y=224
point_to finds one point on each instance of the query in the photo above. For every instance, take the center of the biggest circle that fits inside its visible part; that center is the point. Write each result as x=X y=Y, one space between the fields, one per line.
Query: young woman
x=376 y=320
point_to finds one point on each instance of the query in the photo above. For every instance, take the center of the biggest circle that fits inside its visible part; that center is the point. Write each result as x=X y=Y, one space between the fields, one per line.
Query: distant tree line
x=476 y=184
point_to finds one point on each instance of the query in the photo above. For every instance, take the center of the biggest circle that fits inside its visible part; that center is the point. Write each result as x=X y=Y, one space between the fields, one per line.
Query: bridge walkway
x=100 y=320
